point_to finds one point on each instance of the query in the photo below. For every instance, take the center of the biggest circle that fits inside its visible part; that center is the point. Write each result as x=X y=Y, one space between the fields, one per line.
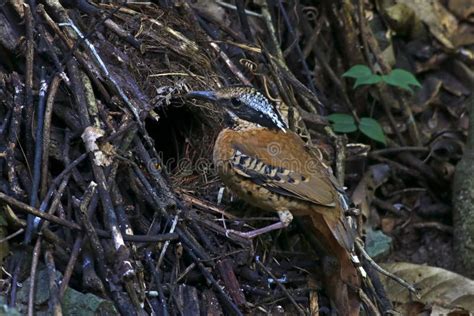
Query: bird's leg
x=285 y=219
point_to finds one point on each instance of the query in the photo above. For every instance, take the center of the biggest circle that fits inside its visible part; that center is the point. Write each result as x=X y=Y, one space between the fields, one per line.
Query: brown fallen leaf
x=440 y=288
x=441 y=23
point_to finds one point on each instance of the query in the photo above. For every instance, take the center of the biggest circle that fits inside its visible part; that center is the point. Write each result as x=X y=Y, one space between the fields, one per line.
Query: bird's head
x=244 y=103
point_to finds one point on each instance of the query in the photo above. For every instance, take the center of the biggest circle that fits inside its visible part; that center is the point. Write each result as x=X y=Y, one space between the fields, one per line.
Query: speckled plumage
x=303 y=184
x=253 y=99
x=270 y=167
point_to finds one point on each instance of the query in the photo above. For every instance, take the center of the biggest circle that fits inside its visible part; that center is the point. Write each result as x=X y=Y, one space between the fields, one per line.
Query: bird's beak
x=205 y=95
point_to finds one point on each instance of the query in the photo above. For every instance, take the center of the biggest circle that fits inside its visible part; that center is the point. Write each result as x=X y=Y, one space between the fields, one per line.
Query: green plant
x=345 y=123
x=397 y=77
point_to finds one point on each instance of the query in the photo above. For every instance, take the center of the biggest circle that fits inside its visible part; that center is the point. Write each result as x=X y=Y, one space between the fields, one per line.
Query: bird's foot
x=285 y=219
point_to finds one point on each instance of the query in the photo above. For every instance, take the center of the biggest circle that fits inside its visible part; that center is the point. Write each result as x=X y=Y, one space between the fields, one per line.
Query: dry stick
x=14 y=135
x=313 y=34
x=243 y=20
x=29 y=84
x=106 y=72
x=364 y=35
x=85 y=105
x=57 y=198
x=396 y=150
x=368 y=302
x=57 y=220
x=18 y=232
x=234 y=34
x=363 y=32
x=340 y=143
x=281 y=286
x=42 y=34
x=370 y=41
x=70 y=167
x=156 y=277
x=167 y=243
x=336 y=81
x=97 y=248
x=374 y=264
x=115 y=191
x=191 y=246
x=280 y=61
x=34 y=265
x=402 y=167
x=217 y=287
x=111 y=217
x=131 y=284
x=53 y=302
x=16 y=264
x=30 y=226
x=36 y=254
x=104 y=194
x=78 y=55
x=70 y=266
x=301 y=88
x=90 y=280
x=230 y=64
x=230 y=6
x=46 y=133
x=90 y=231
x=48 y=234
x=33 y=211
x=306 y=71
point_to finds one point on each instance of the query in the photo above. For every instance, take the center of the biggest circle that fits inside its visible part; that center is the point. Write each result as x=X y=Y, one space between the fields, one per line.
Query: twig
x=281 y=286
x=70 y=266
x=229 y=6
x=18 y=232
x=167 y=243
x=408 y=286
x=306 y=71
x=46 y=133
x=243 y=20
x=33 y=211
x=368 y=302
x=14 y=135
x=34 y=265
x=53 y=302
x=106 y=72
x=29 y=87
x=30 y=226
x=396 y=150
x=157 y=278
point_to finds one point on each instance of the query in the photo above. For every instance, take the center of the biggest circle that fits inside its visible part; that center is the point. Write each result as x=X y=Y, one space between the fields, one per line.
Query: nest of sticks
x=107 y=175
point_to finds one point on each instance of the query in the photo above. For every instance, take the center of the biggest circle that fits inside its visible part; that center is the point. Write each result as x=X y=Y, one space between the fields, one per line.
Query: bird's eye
x=235 y=103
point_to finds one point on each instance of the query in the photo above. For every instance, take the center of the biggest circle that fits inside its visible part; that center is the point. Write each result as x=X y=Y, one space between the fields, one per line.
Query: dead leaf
x=364 y=192
x=437 y=287
x=403 y=20
x=441 y=23
x=212 y=8
x=463 y=9
x=464 y=36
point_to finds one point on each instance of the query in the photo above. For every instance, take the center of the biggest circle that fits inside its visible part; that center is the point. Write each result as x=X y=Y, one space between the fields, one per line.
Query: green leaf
x=358 y=71
x=402 y=79
x=342 y=123
x=372 y=129
x=372 y=79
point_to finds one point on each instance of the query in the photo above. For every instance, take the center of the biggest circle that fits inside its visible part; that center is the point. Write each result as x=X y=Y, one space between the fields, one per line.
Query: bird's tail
x=342 y=278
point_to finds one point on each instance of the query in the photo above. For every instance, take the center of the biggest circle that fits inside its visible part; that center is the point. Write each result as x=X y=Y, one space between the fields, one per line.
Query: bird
x=270 y=167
